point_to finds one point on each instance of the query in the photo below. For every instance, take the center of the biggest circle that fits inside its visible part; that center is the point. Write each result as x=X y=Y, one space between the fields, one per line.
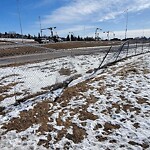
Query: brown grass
x=21 y=51
x=77 y=44
x=65 y=71
x=78 y=134
x=126 y=70
x=38 y=115
x=108 y=127
x=6 y=88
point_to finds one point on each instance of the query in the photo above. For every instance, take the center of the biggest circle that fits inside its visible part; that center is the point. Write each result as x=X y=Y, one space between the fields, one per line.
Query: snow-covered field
x=109 y=111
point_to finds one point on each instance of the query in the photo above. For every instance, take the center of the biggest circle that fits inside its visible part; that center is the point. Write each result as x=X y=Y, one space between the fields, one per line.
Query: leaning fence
x=128 y=49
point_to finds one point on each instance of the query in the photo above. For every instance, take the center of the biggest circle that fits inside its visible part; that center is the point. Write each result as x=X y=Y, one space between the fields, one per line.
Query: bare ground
x=23 y=50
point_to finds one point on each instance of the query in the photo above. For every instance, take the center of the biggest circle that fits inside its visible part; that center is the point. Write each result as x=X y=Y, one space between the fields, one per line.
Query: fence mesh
x=20 y=83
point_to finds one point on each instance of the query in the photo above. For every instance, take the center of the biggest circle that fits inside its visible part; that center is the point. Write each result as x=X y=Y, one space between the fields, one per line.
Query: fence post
x=120 y=49
x=142 y=45
x=135 y=47
x=149 y=45
x=104 y=57
x=127 y=49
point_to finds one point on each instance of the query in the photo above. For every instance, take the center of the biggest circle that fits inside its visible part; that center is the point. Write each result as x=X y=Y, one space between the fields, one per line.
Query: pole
x=40 y=25
x=19 y=19
x=126 y=24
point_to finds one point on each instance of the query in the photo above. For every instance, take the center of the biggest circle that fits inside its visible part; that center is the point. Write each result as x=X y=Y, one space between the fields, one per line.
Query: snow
x=16 y=40
x=118 y=86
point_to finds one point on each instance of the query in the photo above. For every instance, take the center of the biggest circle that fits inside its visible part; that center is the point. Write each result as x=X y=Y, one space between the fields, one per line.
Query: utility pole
x=40 y=26
x=19 y=19
x=126 y=29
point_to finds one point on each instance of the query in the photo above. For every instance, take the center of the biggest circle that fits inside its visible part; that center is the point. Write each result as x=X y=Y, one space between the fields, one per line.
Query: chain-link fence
x=35 y=81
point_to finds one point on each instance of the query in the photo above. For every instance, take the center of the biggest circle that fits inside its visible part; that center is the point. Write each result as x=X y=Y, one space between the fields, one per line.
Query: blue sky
x=81 y=17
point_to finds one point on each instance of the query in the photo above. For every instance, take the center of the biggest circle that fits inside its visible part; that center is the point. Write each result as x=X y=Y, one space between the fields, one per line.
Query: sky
x=81 y=17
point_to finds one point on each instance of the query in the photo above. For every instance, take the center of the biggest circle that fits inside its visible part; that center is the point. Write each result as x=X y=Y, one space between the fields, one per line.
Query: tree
x=29 y=36
x=68 y=38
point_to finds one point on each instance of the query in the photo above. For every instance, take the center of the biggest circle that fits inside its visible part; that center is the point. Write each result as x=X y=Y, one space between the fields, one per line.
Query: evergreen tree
x=68 y=38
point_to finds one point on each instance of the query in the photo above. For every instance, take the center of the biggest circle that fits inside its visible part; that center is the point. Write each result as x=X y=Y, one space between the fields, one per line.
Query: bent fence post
x=120 y=49
x=104 y=57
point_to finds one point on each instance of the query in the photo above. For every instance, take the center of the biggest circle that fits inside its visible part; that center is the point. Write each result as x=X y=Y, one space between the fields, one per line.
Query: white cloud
x=93 y=10
x=74 y=11
x=75 y=14
x=133 y=33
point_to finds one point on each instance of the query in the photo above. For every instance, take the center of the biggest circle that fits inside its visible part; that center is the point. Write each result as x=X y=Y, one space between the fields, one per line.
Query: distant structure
x=51 y=31
x=97 y=34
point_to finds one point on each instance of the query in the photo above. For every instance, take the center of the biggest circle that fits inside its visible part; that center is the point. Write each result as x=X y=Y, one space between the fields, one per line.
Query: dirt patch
x=38 y=115
x=127 y=70
x=101 y=138
x=108 y=127
x=98 y=126
x=6 y=88
x=65 y=71
x=131 y=108
x=78 y=134
x=142 y=100
x=136 y=125
x=144 y=145
x=72 y=92
x=2 y=110
x=101 y=89
x=84 y=115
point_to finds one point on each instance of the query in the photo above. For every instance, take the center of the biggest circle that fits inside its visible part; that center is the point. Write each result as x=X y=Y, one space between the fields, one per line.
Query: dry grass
x=127 y=70
x=65 y=71
x=21 y=51
x=77 y=44
x=38 y=115
x=6 y=88
x=42 y=112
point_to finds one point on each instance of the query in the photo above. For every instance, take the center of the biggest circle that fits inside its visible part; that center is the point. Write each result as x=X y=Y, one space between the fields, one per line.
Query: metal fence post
x=127 y=49
x=120 y=49
x=135 y=47
x=142 y=45
x=149 y=45
x=104 y=57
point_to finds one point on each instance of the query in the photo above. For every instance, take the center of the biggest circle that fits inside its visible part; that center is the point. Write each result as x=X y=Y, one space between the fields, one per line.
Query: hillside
x=109 y=111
